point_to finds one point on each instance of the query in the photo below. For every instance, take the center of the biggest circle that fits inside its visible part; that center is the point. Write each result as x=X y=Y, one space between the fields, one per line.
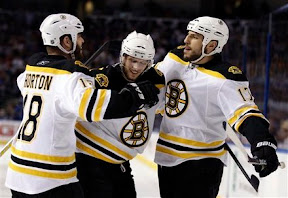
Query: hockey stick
x=7 y=145
x=114 y=45
x=232 y=135
x=253 y=180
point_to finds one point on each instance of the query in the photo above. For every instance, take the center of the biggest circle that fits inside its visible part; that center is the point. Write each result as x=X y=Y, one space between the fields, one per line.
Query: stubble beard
x=191 y=57
x=78 y=53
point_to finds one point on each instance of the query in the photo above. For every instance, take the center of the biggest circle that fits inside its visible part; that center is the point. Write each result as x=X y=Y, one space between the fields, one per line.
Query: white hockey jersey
x=119 y=140
x=54 y=94
x=199 y=101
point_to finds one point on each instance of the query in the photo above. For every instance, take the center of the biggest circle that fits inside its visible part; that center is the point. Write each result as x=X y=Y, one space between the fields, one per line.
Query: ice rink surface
x=143 y=169
x=146 y=181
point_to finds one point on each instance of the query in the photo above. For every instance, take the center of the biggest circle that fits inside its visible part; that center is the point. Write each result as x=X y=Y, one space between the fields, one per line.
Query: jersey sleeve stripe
x=237 y=114
x=91 y=104
x=243 y=118
x=99 y=106
x=84 y=103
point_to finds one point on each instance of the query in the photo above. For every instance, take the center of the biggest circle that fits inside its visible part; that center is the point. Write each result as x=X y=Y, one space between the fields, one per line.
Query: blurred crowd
x=246 y=48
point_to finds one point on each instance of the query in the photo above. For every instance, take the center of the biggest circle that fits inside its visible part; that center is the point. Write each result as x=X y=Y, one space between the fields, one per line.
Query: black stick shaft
x=255 y=181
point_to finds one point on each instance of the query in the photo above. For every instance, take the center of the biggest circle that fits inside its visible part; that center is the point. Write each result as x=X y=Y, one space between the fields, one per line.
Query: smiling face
x=133 y=67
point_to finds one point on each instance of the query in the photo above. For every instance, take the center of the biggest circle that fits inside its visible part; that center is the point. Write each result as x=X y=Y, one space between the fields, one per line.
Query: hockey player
x=203 y=93
x=106 y=147
x=56 y=93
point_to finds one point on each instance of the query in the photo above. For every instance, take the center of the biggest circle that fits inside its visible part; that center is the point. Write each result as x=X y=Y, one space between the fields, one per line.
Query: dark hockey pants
x=104 y=180
x=194 y=178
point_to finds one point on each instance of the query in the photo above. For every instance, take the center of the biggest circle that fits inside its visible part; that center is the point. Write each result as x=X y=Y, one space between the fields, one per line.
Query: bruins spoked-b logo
x=176 y=98
x=135 y=132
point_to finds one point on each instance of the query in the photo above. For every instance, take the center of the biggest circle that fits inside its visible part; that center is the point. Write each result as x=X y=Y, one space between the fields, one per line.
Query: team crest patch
x=136 y=132
x=102 y=80
x=176 y=98
x=234 y=70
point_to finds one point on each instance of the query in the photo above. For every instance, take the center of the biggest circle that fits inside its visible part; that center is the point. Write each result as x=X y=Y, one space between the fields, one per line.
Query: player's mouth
x=187 y=49
x=134 y=72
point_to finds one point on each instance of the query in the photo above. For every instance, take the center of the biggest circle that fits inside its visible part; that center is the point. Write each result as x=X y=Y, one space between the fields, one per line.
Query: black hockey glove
x=265 y=150
x=144 y=93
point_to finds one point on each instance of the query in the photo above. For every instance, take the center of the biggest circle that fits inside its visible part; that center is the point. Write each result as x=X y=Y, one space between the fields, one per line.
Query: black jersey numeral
x=85 y=83
x=29 y=126
x=243 y=92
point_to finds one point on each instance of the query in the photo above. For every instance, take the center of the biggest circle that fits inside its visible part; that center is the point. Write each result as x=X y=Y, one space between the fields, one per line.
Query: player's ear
x=211 y=46
x=66 y=42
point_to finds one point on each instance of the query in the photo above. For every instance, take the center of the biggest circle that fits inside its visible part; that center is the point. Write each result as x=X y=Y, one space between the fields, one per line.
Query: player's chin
x=186 y=57
x=133 y=77
x=187 y=53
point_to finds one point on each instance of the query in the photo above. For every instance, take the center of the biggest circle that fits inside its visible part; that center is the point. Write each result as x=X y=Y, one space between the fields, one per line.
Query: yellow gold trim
x=156 y=66
x=211 y=73
x=190 y=142
x=159 y=86
x=177 y=59
x=189 y=155
x=239 y=112
x=83 y=104
x=238 y=124
x=54 y=175
x=42 y=157
x=105 y=143
x=160 y=111
x=46 y=70
x=94 y=153
x=100 y=103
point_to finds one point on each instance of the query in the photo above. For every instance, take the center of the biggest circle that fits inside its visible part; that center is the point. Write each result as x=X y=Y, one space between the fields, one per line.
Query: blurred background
x=257 y=43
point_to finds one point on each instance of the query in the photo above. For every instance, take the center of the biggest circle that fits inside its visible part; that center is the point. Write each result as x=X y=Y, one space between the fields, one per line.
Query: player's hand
x=144 y=93
x=265 y=150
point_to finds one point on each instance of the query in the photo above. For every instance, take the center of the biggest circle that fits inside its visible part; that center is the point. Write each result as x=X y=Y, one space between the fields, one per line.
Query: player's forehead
x=192 y=33
x=136 y=59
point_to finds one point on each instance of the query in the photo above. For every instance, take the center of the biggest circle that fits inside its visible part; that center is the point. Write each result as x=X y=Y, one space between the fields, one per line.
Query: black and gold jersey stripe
x=58 y=167
x=186 y=148
x=98 y=147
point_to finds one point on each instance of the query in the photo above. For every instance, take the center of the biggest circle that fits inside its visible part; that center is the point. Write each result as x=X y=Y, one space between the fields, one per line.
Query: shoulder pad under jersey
x=57 y=62
x=153 y=75
x=109 y=77
x=178 y=51
x=230 y=72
